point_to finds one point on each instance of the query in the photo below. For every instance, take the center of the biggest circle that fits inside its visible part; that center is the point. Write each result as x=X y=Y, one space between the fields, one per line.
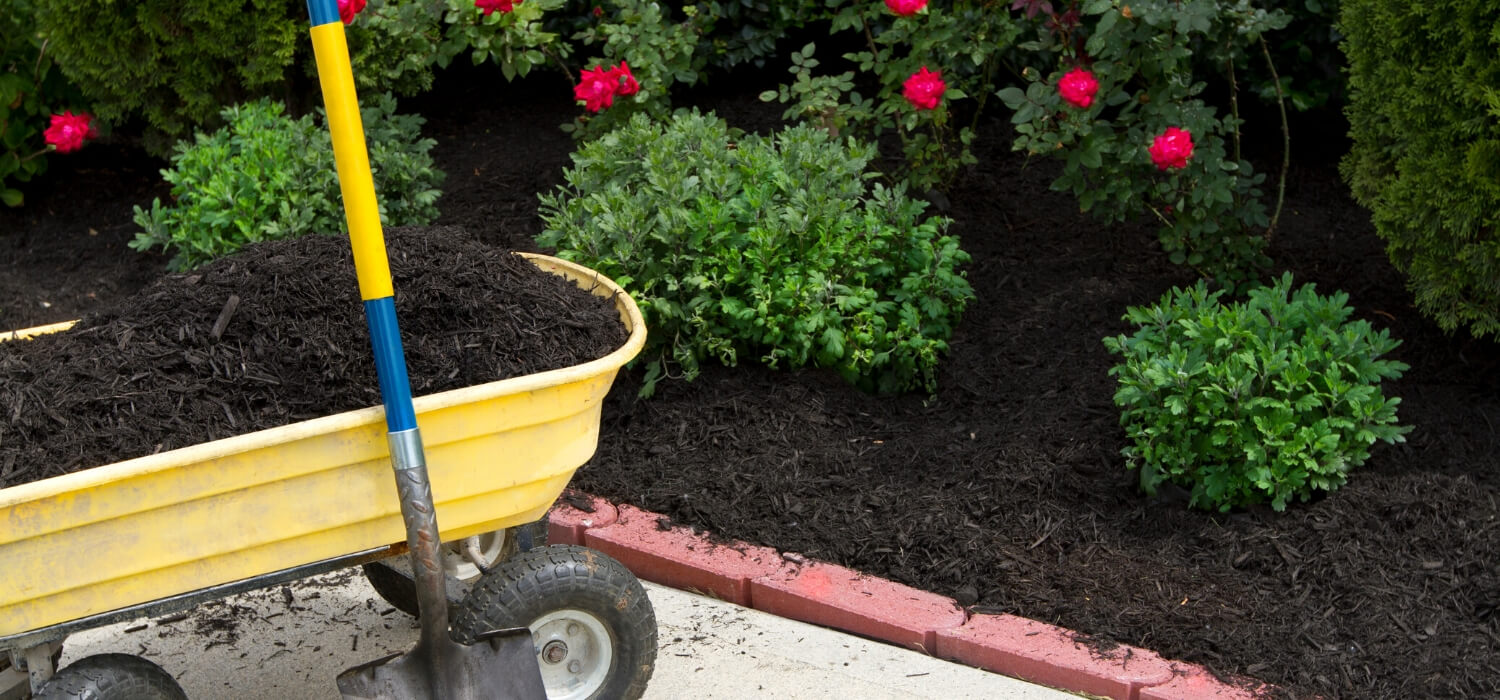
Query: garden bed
x=1006 y=489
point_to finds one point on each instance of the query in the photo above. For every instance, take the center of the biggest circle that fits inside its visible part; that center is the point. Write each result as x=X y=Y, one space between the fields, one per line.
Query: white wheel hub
x=574 y=651
x=459 y=565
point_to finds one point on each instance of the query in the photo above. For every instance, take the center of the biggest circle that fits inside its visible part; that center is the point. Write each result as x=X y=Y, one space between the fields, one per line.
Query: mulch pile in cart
x=274 y=335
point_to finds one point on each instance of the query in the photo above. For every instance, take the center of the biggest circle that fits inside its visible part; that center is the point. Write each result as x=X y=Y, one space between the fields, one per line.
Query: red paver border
x=787 y=585
x=681 y=558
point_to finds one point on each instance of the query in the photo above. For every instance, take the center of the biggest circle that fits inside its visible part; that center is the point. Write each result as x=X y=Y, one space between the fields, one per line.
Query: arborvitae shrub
x=175 y=63
x=1424 y=113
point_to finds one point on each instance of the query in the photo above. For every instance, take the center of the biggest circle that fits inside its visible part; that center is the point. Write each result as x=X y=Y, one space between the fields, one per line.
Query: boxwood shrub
x=777 y=248
x=1264 y=401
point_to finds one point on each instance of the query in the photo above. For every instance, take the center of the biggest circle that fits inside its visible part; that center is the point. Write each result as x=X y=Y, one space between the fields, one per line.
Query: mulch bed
x=274 y=335
x=1005 y=490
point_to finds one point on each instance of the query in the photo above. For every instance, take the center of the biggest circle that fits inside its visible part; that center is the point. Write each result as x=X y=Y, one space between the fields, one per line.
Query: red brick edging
x=790 y=586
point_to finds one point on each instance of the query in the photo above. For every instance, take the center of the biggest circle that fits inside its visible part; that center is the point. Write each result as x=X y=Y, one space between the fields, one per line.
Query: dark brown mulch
x=1006 y=489
x=276 y=334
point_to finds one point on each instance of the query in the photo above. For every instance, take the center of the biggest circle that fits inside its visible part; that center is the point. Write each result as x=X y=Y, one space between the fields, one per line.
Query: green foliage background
x=1424 y=114
x=174 y=62
x=31 y=90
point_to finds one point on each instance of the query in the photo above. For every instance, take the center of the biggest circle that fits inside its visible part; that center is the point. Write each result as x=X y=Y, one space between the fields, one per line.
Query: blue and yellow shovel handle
x=360 y=209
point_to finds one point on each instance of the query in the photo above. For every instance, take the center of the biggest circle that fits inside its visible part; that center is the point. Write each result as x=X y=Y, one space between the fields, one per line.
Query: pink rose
x=1078 y=88
x=68 y=131
x=596 y=88
x=349 y=8
x=489 y=6
x=625 y=82
x=924 y=89
x=906 y=8
x=1172 y=149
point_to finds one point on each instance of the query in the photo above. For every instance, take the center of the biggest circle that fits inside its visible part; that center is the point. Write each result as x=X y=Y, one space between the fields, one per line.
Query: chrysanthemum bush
x=1270 y=400
x=266 y=176
x=774 y=248
x=1123 y=110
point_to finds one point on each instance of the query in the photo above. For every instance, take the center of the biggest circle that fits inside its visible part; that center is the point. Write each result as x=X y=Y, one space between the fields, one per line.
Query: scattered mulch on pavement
x=274 y=335
x=1006 y=488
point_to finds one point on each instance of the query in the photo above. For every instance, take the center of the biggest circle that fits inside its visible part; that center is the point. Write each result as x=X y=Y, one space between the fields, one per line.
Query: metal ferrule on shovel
x=501 y=664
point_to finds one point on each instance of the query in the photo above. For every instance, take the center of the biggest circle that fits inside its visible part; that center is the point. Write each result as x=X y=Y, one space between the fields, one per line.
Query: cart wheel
x=112 y=677
x=392 y=579
x=590 y=619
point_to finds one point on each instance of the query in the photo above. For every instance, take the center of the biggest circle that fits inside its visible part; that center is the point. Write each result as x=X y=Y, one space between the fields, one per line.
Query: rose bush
x=1078 y=87
x=595 y=89
x=905 y=8
x=68 y=131
x=924 y=89
x=1148 y=109
x=349 y=8
x=1172 y=149
x=921 y=60
x=31 y=90
x=490 y=6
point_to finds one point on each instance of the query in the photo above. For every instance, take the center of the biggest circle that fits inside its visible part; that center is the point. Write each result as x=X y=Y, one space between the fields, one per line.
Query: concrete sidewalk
x=289 y=642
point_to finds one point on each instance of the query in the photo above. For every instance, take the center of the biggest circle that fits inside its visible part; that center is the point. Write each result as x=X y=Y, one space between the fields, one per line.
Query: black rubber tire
x=395 y=587
x=560 y=577
x=111 y=677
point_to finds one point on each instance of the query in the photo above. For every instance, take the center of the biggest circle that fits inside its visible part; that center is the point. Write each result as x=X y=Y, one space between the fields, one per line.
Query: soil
x=1005 y=489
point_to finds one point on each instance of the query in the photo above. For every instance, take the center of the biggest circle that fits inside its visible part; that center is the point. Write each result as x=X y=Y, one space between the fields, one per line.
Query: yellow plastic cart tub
x=132 y=532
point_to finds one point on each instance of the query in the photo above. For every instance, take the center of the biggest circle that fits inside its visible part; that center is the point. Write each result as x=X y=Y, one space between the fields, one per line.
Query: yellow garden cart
x=170 y=531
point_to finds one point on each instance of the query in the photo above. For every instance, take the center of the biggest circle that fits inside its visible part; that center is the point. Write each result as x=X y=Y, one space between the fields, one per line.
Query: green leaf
x=12 y=197
x=1107 y=22
x=1013 y=97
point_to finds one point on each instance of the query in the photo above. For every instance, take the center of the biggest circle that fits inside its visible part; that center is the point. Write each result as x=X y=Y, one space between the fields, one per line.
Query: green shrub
x=1424 y=115
x=1262 y=401
x=266 y=176
x=30 y=92
x=766 y=245
x=177 y=63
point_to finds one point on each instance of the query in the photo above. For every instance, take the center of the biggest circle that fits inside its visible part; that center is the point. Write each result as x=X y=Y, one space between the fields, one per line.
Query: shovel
x=501 y=664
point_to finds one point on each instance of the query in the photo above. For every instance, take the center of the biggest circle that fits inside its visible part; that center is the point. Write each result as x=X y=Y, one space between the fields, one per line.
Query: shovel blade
x=498 y=666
